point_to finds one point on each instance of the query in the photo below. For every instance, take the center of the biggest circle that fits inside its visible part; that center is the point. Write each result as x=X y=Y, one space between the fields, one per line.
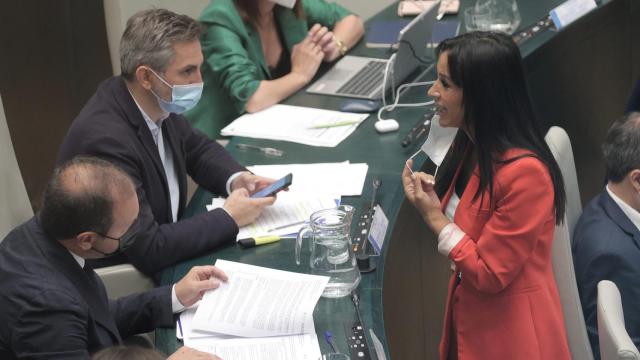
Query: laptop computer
x=362 y=77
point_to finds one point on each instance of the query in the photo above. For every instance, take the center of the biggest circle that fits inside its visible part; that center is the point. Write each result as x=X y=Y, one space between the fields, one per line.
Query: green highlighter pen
x=258 y=240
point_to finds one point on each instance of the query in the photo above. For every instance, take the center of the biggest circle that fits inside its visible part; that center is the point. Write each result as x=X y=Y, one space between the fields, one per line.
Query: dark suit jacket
x=53 y=309
x=112 y=127
x=606 y=246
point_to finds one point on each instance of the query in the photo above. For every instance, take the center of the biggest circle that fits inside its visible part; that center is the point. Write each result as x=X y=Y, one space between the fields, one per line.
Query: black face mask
x=124 y=242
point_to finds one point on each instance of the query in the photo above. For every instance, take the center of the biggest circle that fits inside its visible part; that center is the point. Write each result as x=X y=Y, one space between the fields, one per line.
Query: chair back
x=561 y=257
x=615 y=343
x=15 y=207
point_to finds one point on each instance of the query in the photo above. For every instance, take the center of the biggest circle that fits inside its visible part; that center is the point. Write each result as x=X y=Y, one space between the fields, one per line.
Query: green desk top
x=385 y=157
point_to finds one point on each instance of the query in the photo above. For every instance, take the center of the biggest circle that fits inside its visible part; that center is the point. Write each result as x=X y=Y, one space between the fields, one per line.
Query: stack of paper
x=315 y=187
x=260 y=313
x=315 y=127
x=343 y=179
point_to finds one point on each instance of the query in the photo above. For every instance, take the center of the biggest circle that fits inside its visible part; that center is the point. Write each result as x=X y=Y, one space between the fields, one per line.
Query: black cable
x=415 y=55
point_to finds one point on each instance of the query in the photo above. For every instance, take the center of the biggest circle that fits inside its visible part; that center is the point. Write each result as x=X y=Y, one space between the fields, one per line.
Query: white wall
x=118 y=11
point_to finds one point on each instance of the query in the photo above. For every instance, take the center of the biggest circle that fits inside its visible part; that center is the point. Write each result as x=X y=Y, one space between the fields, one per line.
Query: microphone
x=419 y=130
x=365 y=264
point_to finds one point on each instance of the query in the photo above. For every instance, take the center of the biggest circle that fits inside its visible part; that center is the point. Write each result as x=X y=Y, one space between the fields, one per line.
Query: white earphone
x=385 y=126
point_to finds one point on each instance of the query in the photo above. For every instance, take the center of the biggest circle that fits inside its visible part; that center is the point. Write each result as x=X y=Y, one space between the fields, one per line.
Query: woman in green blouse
x=258 y=52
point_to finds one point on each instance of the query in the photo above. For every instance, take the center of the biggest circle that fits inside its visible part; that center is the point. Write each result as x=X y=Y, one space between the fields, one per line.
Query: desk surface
x=386 y=158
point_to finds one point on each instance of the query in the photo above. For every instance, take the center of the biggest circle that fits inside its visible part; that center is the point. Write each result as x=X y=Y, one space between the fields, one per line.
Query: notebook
x=384 y=33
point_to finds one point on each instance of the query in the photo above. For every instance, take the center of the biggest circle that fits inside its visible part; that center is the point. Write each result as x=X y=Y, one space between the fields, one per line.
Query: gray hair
x=621 y=147
x=149 y=38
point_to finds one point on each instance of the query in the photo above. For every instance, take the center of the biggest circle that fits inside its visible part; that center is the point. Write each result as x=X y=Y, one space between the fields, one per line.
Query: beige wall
x=118 y=11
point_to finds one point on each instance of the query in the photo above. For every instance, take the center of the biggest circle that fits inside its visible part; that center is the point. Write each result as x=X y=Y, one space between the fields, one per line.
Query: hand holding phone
x=275 y=187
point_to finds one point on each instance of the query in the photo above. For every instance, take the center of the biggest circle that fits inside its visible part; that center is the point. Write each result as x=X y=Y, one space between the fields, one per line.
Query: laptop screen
x=413 y=38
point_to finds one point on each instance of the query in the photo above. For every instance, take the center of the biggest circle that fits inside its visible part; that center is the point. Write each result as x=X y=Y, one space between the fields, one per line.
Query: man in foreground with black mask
x=54 y=306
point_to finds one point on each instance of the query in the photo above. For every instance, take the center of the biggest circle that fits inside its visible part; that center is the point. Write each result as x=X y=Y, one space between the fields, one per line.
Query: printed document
x=295 y=347
x=296 y=124
x=341 y=178
x=238 y=320
x=286 y=216
x=259 y=302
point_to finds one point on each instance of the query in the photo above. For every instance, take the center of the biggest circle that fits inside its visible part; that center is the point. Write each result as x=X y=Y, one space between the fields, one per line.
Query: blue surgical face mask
x=183 y=97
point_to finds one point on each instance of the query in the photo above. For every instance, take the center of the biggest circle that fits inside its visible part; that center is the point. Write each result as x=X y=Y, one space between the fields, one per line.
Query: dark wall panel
x=52 y=56
x=580 y=80
x=635 y=38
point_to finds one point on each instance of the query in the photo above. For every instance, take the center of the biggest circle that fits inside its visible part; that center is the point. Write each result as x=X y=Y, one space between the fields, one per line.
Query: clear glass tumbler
x=477 y=18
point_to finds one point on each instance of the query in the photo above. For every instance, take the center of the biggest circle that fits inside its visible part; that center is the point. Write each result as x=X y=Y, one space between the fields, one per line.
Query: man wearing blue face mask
x=134 y=120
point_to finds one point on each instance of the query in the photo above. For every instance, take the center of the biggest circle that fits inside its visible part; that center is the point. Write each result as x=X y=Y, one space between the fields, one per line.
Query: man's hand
x=199 y=279
x=250 y=182
x=188 y=353
x=243 y=209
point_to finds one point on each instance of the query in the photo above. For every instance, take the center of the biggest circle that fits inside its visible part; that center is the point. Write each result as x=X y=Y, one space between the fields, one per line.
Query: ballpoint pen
x=335 y=124
x=286 y=226
x=265 y=150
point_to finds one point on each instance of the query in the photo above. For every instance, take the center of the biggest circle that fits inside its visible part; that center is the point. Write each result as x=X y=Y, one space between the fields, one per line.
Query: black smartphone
x=275 y=187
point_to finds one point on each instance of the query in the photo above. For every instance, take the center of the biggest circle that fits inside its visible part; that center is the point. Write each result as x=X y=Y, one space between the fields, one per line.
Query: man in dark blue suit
x=606 y=243
x=134 y=121
x=53 y=304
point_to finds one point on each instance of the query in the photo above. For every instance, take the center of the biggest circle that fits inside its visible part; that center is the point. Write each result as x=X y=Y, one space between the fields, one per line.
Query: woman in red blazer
x=503 y=193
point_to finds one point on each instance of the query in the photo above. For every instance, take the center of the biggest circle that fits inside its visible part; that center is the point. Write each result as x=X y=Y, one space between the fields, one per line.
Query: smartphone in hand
x=275 y=187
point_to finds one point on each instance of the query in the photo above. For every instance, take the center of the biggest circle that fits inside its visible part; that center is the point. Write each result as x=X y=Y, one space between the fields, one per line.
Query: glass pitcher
x=331 y=253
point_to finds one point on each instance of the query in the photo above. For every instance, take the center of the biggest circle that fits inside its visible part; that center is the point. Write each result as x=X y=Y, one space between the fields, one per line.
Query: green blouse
x=234 y=62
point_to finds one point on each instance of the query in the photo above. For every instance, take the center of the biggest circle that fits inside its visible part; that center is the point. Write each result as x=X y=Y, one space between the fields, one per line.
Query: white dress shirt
x=166 y=157
x=631 y=213
x=451 y=234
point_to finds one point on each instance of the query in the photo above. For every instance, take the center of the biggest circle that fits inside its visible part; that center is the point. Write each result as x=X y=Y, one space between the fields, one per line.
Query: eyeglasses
x=127 y=239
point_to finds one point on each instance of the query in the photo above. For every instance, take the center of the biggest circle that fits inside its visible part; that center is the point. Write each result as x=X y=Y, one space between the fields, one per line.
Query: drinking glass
x=477 y=18
x=504 y=14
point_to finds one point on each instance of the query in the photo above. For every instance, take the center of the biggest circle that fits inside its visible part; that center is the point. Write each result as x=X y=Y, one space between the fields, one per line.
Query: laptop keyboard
x=366 y=80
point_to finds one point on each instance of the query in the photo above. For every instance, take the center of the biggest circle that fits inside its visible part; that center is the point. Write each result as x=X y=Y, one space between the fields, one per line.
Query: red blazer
x=506 y=304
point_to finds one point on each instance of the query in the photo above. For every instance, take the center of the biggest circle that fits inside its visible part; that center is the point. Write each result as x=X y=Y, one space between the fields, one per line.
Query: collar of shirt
x=153 y=127
x=631 y=213
x=79 y=259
